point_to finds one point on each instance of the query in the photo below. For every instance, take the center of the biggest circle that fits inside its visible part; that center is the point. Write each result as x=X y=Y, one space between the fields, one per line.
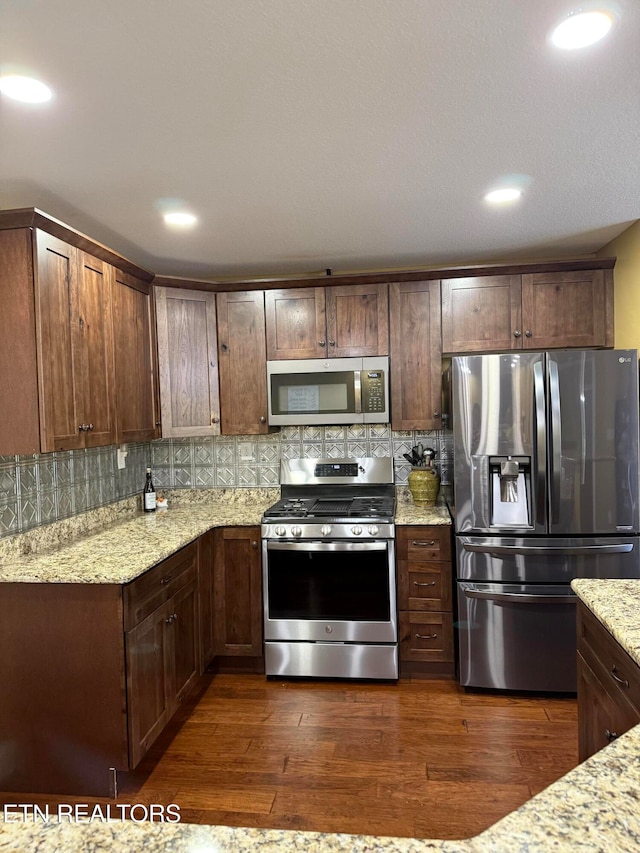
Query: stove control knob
x=373 y=529
x=296 y=531
x=280 y=530
x=357 y=530
x=325 y=529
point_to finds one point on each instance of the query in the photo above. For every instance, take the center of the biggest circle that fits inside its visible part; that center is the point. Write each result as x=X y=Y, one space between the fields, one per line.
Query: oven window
x=350 y=585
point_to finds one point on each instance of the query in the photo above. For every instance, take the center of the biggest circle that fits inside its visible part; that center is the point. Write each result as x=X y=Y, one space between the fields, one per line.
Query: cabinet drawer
x=607 y=658
x=143 y=595
x=424 y=586
x=426 y=636
x=425 y=543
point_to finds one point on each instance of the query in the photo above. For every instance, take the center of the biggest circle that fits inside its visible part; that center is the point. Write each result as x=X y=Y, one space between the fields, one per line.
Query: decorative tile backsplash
x=39 y=489
x=247 y=461
x=47 y=487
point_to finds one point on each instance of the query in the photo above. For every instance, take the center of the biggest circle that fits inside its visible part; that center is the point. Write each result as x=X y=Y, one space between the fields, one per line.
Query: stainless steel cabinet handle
x=175 y=617
x=423 y=544
x=426 y=636
x=610 y=735
x=90 y=427
x=169 y=620
x=517 y=333
x=431 y=583
x=322 y=343
x=166 y=579
x=332 y=343
x=520 y=598
x=263 y=420
x=254 y=544
x=528 y=333
x=617 y=678
x=215 y=420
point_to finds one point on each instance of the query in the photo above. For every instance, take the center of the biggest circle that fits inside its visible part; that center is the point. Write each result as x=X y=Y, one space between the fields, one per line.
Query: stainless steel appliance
x=546 y=490
x=328 y=391
x=329 y=576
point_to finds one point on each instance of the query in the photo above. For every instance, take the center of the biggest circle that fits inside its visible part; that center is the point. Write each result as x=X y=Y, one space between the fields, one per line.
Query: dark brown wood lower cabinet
x=238 y=592
x=206 y=550
x=608 y=686
x=425 y=600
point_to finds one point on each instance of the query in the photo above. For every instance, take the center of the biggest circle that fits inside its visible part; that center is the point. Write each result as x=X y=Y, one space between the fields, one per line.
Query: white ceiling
x=305 y=134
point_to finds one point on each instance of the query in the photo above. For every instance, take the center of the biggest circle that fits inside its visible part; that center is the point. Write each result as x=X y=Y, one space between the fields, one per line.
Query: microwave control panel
x=373 y=393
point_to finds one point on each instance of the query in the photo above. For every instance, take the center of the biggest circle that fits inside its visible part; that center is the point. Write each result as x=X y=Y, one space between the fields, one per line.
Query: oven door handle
x=327 y=546
x=520 y=598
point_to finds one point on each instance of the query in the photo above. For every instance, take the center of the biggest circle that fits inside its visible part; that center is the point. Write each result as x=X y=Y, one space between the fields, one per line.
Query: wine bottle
x=149 y=494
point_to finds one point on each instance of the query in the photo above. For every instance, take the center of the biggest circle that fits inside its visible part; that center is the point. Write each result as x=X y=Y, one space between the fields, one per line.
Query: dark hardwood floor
x=420 y=758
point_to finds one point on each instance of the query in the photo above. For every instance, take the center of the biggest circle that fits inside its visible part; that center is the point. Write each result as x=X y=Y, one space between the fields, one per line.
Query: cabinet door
x=357 y=320
x=601 y=717
x=187 y=362
x=135 y=360
x=242 y=359
x=416 y=378
x=296 y=323
x=20 y=422
x=149 y=694
x=96 y=332
x=567 y=309
x=238 y=592
x=184 y=628
x=206 y=546
x=481 y=314
x=59 y=344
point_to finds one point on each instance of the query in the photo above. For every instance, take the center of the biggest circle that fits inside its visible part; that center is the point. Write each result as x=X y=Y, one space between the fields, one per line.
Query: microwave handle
x=357 y=390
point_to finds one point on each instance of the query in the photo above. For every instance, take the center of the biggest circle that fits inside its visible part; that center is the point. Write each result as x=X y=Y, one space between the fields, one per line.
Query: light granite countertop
x=125 y=542
x=133 y=541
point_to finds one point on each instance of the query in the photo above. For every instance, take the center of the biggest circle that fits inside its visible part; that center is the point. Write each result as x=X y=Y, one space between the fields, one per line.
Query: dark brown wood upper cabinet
x=415 y=362
x=60 y=354
x=481 y=313
x=188 y=362
x=242 y=362
x=135 y=359
x=327 y=322
x=75 y=355
x=567 y=309
x=534 y=311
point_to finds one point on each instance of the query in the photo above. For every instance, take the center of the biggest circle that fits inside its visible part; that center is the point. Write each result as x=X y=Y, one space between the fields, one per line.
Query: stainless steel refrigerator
x=546 y=490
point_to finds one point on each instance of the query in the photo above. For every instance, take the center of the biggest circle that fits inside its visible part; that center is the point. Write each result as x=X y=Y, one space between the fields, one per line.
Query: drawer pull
x=169 y=620
x=166 y=579
x=431 y=583
x=426 y=636
x=423 y=544
x=617 y=678
x=610 y=735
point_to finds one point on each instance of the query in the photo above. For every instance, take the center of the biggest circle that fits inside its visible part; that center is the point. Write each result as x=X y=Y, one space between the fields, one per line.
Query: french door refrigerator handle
x=556 y=440
x=504 y=550
x=541 y=441
x=520 y=598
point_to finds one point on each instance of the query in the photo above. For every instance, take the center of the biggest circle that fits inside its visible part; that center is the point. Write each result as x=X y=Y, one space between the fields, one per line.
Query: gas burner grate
x=326 y=506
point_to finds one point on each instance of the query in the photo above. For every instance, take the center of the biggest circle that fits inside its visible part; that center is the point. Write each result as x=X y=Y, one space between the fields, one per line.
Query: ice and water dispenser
x=510 y=478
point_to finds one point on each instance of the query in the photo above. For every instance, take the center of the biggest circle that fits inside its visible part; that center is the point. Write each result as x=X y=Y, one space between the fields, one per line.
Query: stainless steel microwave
x=328 y=391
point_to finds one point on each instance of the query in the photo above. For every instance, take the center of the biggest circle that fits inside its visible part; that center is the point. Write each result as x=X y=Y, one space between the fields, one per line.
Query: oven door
x=330 y=591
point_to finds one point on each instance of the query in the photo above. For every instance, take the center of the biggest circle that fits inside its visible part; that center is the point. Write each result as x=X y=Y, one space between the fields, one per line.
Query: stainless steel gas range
x=329 y=571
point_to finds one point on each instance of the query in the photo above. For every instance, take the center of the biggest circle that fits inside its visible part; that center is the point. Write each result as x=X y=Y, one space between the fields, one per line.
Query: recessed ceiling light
x=26 y=89
x=504 y=195
x=581 y=29
x=181 y=219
